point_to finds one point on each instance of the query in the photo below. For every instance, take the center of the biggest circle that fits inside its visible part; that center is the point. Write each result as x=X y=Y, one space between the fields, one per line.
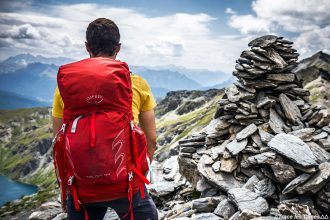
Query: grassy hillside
x=182 y=113
x=25 y=154
x=26 y=138
x=315 y=75
x=319 y=90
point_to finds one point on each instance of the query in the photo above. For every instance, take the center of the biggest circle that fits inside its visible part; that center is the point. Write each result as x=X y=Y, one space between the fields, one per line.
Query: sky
x=196 y=34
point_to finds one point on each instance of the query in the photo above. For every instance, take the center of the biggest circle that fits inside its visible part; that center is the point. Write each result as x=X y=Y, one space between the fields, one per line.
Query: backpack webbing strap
x=134 y=145
x=60 y=162
x=76 y=201
x=130 y=196
x=93 y=133
x=137 y=169
x=143 y=180
x=130 y=189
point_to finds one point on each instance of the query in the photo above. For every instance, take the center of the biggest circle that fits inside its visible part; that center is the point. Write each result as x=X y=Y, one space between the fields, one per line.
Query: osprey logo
x=94 y=99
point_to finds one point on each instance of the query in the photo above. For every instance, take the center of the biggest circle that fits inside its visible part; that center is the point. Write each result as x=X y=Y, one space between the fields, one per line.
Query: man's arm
x=57 y=123
x=148 y=126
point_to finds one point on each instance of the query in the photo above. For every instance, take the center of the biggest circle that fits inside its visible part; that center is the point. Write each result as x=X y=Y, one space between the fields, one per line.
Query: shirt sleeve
x=58 y=105
x=147 y=100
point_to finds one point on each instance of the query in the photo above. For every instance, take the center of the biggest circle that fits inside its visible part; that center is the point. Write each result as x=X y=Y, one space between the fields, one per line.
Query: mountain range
x=10 y=100
x=204 y=77
x=34 y=77
x=21 y=61
x=27 y=80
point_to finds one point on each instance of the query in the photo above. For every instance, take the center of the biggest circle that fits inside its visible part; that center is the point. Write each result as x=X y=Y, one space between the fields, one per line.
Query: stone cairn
x=265 y=155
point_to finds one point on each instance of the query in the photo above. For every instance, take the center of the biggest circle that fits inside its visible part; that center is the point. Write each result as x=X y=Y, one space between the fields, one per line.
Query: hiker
x=101 y=156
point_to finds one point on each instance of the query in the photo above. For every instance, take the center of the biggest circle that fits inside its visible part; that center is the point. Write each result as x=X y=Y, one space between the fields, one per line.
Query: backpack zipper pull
x=130 y=176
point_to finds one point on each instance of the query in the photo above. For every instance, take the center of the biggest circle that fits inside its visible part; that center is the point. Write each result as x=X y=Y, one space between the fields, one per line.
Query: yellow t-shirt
x=142 y=98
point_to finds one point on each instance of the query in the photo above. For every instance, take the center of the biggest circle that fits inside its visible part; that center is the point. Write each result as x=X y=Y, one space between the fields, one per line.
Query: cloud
x=4 y=43
x=308 y=21
x=26 y=31
x=164 y=49
x=230 y=11
x=311 y=41
x=249 y=24
x=181 y=39
x=12 y=5
x=294 y=15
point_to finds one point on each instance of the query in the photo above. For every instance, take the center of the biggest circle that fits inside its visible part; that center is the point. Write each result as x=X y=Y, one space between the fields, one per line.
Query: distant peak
x=19 y=57
x=321 y=55
x=27 y=58
x=317 y=56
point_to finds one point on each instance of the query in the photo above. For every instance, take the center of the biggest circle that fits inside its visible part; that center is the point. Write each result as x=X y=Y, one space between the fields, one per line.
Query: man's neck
x=105 y=56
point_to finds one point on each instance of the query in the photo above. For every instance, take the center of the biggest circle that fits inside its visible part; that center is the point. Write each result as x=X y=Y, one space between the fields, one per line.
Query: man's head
x=102 y=38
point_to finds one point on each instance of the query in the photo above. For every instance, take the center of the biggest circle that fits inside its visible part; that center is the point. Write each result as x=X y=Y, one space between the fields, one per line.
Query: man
x=103 y=40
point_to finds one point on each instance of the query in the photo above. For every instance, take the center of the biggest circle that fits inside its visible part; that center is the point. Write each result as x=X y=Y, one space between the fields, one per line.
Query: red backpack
x=98 y=145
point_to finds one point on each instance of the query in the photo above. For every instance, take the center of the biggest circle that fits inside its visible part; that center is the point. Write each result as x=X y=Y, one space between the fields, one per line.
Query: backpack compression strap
x=137 y=169
x=60 y=162
x=93 y=139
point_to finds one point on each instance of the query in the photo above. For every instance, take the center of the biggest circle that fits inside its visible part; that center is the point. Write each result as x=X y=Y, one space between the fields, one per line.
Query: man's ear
x=88 y=49
x=118 y=48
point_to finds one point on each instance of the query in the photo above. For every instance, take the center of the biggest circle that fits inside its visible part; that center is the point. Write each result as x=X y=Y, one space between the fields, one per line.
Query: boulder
x=248 y=200
x=221 y=180
x=225 y=209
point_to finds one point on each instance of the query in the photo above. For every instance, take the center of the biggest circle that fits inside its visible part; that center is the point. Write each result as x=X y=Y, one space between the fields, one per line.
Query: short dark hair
x=102 y=36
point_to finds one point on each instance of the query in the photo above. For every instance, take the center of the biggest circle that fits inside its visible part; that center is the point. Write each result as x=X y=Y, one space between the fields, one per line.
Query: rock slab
x=246 y=132
x=235 y=146
x=293 y=148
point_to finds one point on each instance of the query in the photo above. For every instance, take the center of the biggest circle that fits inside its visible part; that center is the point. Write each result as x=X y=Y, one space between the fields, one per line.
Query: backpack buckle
x=70 y=180
x=132 y=125
x=63 y=128
x=130 y=176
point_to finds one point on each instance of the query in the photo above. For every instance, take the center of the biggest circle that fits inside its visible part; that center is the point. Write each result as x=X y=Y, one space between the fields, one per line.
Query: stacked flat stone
x=267 y=148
